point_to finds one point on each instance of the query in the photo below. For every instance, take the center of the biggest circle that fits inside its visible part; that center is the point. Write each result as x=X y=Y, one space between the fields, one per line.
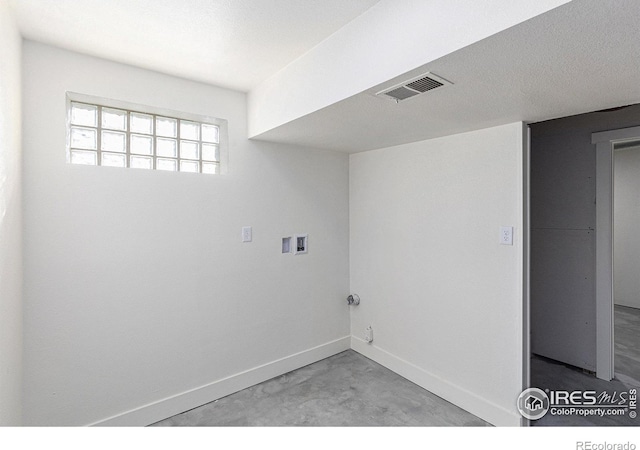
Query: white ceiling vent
x=415 y=86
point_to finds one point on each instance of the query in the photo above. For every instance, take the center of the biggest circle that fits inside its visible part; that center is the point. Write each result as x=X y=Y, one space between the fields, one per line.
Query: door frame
x=605 y=145
x=526 y=265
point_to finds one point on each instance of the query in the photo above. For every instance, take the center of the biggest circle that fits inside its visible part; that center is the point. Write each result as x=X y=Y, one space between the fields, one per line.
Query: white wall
x=626 y=220
x=10 y=222
x=137 y=287
x=443 y=297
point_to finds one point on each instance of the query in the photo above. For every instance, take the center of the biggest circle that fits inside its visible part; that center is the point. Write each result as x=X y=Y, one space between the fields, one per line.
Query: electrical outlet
x=246 y=234
x=506 y=235
x=368 y=334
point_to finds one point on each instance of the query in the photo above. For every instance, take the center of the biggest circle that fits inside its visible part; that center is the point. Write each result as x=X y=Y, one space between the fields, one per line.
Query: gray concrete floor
x=344 y=390
x=553 y=375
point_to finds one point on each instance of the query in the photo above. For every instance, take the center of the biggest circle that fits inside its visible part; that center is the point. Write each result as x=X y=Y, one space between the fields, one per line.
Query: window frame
x=129 y=107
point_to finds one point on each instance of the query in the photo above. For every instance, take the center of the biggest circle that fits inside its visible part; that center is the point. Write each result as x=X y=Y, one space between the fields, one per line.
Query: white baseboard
x=626 y=304
x=473 y=403
x=154 y=412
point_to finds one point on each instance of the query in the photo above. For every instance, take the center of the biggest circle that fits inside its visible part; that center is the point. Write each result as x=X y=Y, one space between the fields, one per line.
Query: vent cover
x=415 y=86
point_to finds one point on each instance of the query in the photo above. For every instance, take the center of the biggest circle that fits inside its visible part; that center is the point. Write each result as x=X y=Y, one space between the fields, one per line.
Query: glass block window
x=100 y=135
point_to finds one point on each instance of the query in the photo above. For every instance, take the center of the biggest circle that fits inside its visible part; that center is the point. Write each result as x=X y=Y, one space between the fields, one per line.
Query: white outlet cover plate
x=506 y=235
x=247 y=234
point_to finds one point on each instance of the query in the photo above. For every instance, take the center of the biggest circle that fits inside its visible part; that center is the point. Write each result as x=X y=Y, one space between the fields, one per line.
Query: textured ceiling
x=230 y=43
x=580 y=57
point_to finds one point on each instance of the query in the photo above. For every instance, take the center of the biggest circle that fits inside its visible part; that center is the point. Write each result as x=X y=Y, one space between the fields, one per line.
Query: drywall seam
x=162 y=409
x=453 y=393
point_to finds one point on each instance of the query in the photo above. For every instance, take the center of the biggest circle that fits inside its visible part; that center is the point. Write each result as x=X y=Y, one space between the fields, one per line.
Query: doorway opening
x=626 y=260
x=618 y=253
x=572 y=323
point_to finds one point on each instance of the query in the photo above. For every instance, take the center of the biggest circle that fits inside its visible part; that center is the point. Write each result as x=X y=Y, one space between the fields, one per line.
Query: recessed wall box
x=286 y=244
x=301 y=244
